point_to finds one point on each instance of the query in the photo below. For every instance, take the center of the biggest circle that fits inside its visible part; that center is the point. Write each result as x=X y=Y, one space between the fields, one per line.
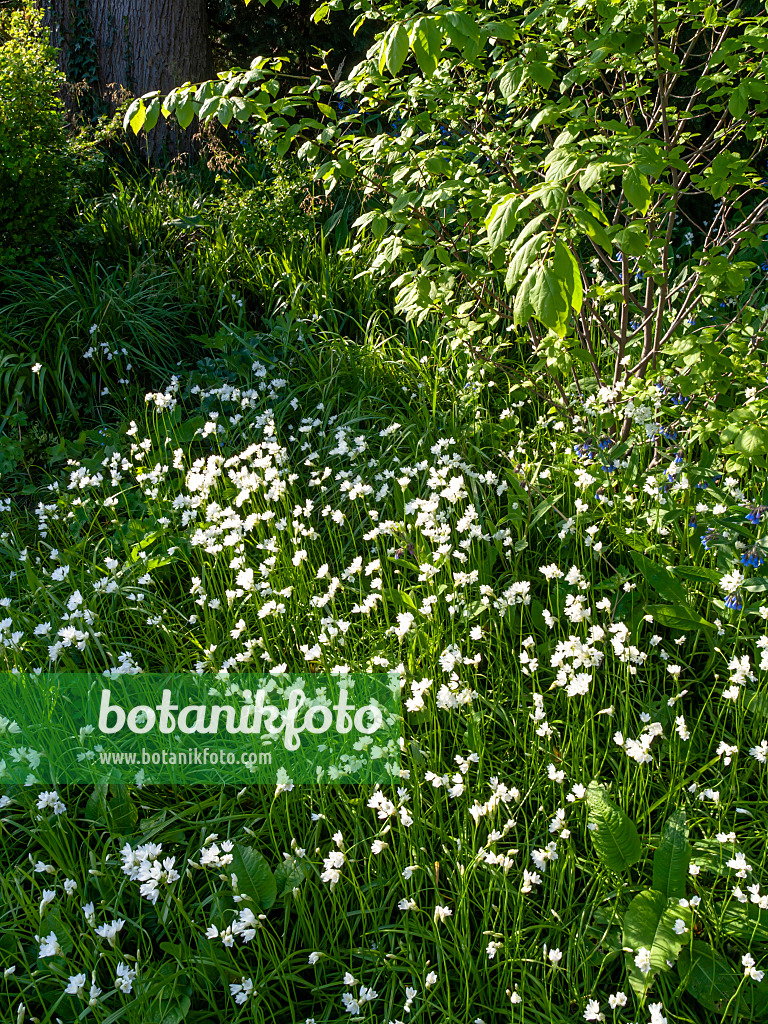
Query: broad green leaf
x=744 y=921
x=394 y=49
x=510 y=80
x=613 y=835
x=153 y=112
x=672 y=857
x=593 y=228
x=541 y=74
x=225 y=112
x=523 y=308
x=289 y=875
x=185 y=112
x=710 y=855
x=712 y=981
x=254 y=877
x=551 y=295
x=663 y=583
x=738 y=101
x=637 y=189
x=593 y=173
x=501 y=220
x=426 y=43
x=524 y=257
x=707 y=975
x=649 y=923
x=135 y=115
x=678 y=616
x=502 y=29
x=753 y=440
x=567 y=269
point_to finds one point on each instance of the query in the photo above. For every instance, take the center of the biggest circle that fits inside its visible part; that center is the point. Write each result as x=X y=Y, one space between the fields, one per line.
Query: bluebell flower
x=756 y=513
x=709 y=538
x=692 y=523
x=734 y=602
x=752 y=557
x=604 y=443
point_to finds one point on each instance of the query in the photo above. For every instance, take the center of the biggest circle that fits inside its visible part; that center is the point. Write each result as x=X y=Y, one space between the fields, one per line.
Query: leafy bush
x=35 y=167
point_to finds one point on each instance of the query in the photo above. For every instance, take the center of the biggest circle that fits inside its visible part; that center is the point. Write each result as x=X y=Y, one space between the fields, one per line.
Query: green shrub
x=34 y=164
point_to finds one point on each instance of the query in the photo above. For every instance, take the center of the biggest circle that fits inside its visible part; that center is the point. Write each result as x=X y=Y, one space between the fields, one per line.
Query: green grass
x=291 y=423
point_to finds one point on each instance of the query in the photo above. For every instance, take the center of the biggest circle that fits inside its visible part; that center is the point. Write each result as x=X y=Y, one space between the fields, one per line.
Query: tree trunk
x=140 y=45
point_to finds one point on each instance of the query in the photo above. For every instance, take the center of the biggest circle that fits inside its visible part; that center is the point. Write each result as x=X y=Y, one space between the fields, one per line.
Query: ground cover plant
x=549 y=529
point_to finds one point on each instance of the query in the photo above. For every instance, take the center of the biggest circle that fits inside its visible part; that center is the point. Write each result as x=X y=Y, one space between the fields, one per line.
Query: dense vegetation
x=457 y=372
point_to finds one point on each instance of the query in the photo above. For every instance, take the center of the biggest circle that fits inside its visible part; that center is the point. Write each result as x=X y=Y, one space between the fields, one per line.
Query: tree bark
x=141 y=45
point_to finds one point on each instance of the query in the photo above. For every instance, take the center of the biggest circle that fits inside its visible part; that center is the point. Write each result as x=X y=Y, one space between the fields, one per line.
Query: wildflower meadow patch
x=392 y=645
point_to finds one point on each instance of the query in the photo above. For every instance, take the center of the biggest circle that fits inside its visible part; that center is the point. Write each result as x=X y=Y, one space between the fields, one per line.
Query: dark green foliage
x=34 y=165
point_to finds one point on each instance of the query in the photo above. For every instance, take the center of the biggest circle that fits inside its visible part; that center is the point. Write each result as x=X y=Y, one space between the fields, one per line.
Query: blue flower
x=709 y=538
x=692 y=523
x=752 y=557
x=734 y=602
x=756 y=513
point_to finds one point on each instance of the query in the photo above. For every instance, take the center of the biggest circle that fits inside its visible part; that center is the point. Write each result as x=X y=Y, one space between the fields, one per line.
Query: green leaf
x=501 y=220
x=672 y=857
x=394 y=49
x=135 y=115
x=523 y=308
x=567 y=269
x=254 y=877
x=713 y=981
x=738 y=101
x=289 y=875
x=753 y=440
x=709 y=977
x=541 y=74
x=185 y=112
x=426 y=43
x=524 y=257
x=328 y=111
x=649 y=923
x=510 y=80
x=613 y=835
x=678 y=617
x=637 y=189
x=551 y=294
x=153 y=112
x=745 y=921
x=593 y=228
x=662 y=582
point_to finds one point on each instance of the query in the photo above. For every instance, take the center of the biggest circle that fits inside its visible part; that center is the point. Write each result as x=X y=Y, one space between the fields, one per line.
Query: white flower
x=76 y=985
x=643 y=960
x=441 y=913
x=555 y=956
x=313 y=958
x=241 y=990
x=110 y=931
x=125 y=977
x=592 y=1011
x=656 y=1011
x=49 y=946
